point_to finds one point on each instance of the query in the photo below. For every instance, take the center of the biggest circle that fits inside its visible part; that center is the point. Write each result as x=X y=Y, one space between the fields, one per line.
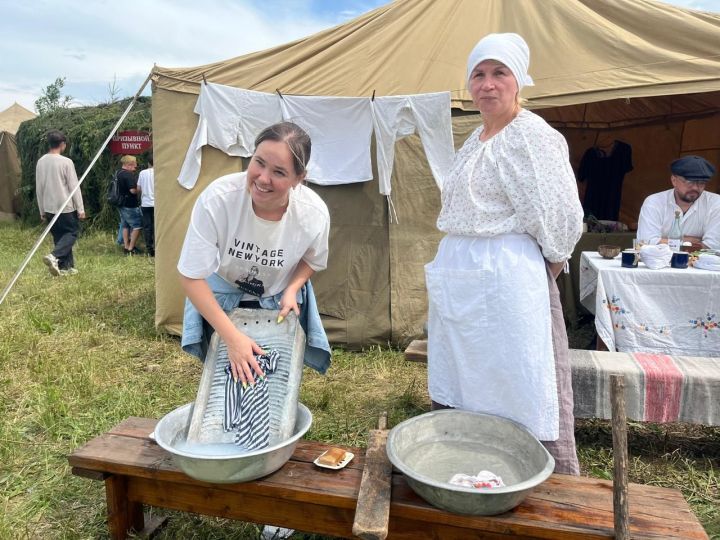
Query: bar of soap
x=333 y=457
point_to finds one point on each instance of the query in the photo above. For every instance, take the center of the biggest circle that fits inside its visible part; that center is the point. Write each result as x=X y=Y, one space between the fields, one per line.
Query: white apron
x=489 y=330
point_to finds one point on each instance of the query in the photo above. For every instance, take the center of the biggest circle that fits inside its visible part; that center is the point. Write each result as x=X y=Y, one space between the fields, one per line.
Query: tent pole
x=7 y=289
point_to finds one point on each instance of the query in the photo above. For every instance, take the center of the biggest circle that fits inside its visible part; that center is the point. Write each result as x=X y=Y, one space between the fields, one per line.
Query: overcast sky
x=95 y=43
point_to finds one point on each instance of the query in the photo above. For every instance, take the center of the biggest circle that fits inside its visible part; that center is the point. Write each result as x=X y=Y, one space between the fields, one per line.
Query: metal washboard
x=288 y=338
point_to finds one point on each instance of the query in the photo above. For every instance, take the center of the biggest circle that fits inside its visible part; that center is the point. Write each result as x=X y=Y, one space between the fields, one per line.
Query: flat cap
x=693 y=168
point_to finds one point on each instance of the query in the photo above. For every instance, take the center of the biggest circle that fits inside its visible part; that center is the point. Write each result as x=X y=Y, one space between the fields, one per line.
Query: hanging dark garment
x=604 y=173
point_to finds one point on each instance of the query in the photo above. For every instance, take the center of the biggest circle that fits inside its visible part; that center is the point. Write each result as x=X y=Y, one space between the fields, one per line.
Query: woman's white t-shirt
x=259 y=256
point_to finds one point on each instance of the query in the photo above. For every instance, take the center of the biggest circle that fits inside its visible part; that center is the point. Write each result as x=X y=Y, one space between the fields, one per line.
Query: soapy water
x=209 y=450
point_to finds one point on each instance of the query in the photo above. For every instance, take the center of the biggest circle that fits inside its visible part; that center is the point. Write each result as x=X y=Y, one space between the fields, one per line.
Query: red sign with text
x=131 y=142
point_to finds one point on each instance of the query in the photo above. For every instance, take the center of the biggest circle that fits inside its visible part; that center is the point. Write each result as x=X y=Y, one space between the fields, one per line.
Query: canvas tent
x=13 y=116
x=10 y=202
x=639 y=69
x=10 y=120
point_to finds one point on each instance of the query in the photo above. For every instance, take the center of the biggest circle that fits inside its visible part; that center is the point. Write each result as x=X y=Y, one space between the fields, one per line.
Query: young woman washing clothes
x=254 y=240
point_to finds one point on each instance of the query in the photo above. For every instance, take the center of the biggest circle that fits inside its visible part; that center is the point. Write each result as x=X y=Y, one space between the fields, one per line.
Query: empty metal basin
x=225 y=463
x=429 y=449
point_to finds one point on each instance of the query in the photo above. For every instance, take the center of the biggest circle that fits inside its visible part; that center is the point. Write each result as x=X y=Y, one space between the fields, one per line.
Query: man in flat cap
x=700 y=210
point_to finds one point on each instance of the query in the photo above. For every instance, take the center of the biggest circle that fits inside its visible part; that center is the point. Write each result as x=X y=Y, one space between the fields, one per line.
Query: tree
x=52 y=98
x=114 y=90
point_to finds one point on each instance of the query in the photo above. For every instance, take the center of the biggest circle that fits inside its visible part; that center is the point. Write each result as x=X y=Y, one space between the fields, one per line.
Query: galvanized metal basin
x=429 y=449
x=224 y=463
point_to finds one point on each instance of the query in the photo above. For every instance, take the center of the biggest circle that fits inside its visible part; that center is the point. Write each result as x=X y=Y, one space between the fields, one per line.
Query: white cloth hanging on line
x=230 y=120
x=395 y=117
x=340 y=129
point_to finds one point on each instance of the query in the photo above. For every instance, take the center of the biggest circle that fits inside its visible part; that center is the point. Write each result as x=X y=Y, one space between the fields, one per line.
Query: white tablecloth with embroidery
x=643 y=310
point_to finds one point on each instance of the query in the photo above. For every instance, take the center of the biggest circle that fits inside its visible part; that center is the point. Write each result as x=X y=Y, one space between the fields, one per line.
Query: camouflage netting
x=86 y=128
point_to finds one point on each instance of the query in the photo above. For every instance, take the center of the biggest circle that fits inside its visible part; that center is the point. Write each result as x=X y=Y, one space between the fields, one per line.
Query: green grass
x=79 y=354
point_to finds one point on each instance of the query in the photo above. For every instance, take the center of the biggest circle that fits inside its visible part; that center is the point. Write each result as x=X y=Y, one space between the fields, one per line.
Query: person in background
x=130 y=214
x=146 y=187
x=511 y=214
x=55 y=178
x=700 y=209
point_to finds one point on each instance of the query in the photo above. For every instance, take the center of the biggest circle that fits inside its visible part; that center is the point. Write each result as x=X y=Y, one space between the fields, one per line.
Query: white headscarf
x=510 y=49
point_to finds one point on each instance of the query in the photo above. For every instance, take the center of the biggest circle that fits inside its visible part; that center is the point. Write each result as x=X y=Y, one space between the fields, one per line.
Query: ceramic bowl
x=609 y=252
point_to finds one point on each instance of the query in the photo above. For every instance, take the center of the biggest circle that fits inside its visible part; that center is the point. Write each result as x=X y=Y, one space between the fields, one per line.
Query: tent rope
x=392 y=214
x=70 y=196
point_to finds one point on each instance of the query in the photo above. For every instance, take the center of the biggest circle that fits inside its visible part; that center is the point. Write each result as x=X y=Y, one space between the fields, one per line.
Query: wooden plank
x=594 y=506
x=373 y=505
x=134 y=427
x=143 y=458
x=562 y=507
x=408 y=529
x=620 y=457
x=92 y=475
x=141 y=428
x=417 y=351
x=244 y=506
x=305 y=451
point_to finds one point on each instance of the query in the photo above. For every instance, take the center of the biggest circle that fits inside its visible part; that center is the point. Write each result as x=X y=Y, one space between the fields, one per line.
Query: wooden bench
x=301 y=496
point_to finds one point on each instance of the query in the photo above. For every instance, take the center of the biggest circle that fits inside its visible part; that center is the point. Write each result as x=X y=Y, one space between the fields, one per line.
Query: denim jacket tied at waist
x=317 y=348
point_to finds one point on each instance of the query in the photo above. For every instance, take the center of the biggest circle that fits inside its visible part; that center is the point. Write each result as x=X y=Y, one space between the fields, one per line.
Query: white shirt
x=146 y=182
x=340 y=129
x=230 y=119
x=395 y=117
x=702 y=219
x=259 y=256
x=518 y=181
x=55 y=178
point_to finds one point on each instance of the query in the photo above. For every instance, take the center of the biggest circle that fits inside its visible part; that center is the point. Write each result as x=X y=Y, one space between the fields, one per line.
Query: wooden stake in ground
x=372 y=512
x=620 y=457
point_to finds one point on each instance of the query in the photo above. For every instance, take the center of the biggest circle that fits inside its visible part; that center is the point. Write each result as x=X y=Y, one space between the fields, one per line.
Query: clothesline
x=372 y=98
x=341 y=129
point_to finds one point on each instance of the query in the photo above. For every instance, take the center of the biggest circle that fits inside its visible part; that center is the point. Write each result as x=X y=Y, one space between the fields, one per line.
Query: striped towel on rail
x=247 y=408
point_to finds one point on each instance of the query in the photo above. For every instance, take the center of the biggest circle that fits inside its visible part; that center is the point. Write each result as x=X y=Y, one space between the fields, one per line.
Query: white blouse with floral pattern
x=519 y=181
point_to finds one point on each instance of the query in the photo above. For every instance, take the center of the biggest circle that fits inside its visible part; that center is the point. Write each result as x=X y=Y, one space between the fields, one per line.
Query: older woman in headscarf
x=511 y=214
